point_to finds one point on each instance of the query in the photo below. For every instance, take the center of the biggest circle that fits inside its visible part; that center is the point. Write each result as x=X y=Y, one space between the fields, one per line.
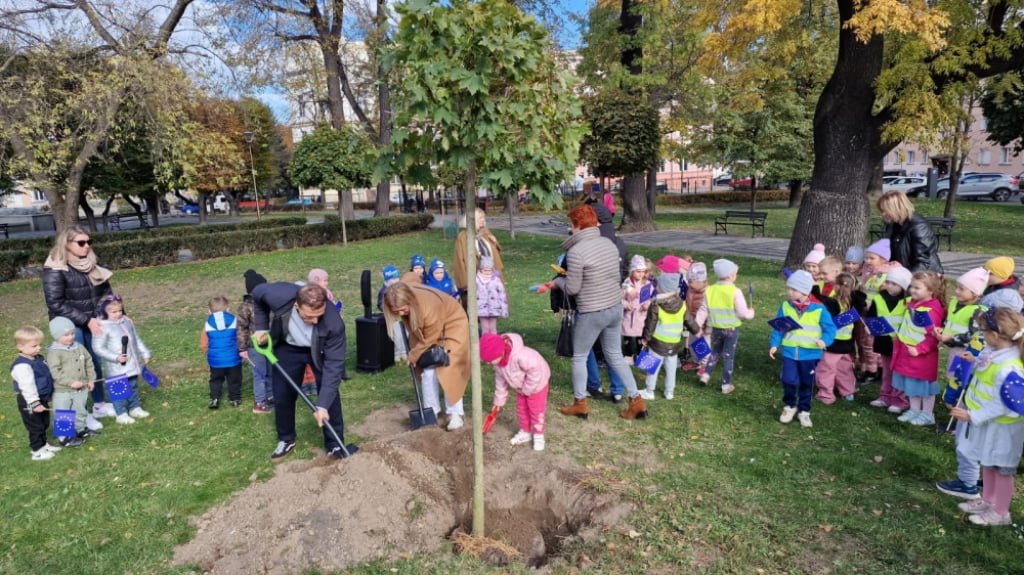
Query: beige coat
x=439 y=313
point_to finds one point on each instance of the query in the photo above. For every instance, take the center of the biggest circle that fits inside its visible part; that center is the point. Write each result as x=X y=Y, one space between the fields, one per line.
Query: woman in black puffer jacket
x=73 y=286
x=911 y=239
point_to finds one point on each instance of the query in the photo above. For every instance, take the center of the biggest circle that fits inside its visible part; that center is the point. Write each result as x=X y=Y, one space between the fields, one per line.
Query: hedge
x=206 y=242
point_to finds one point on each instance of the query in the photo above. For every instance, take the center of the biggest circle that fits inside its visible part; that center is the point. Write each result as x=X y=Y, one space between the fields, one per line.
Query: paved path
x=770 y=249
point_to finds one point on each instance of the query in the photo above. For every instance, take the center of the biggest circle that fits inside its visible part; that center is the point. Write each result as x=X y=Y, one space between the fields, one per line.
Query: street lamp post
x=252 y=165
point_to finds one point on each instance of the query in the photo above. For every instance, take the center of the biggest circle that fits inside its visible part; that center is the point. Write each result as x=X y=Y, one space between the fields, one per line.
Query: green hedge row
x=715 y=198
x=220 y=241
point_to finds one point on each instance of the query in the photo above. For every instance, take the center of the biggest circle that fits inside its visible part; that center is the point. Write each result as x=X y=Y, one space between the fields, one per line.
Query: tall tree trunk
x=476 y=383
x=636 y=217
x=796 y=193
x=847 y=148
x=383 y=205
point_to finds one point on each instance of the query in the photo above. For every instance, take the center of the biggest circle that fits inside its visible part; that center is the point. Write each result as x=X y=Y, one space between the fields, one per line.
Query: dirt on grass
x=404 y=493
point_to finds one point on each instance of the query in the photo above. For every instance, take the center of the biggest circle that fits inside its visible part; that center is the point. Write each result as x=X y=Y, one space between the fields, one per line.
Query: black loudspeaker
x=375 y=351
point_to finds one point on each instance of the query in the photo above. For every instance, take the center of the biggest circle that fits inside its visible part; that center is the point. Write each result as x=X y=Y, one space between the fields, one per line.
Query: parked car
x=904 y=184
x=189 y=208
x=298 y=202
x=998 y=187
x=722 y=181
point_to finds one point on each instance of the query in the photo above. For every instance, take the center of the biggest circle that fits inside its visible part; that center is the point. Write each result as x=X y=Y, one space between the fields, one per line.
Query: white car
x=903 y=184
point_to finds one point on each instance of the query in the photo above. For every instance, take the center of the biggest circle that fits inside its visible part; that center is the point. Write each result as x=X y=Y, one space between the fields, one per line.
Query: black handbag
x=435 y=356
x=563 y=346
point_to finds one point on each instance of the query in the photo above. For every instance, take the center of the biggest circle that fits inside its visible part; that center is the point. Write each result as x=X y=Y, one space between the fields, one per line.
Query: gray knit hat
x=61 y=326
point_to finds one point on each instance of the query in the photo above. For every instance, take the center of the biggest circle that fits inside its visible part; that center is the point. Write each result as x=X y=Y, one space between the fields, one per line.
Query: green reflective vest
x=670 y=325
x=721 y=300
x=958 y=321
x=983 y=388
x=810 y=327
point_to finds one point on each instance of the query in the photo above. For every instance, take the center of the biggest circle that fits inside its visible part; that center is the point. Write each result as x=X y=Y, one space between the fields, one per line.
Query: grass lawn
x=981 y=227
x=718 y=484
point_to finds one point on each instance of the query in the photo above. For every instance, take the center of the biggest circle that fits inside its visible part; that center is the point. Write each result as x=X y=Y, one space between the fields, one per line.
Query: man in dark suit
x=304 y=331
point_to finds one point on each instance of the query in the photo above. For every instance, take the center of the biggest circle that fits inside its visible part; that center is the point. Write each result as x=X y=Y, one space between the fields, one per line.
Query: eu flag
x=150 y=377
x=64 y=422
x=921 y=318
x=118 y=387
x=846 y=318
x=700 y=348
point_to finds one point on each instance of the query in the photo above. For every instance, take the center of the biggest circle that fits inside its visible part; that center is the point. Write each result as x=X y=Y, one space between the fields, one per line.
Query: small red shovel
x=491 y=418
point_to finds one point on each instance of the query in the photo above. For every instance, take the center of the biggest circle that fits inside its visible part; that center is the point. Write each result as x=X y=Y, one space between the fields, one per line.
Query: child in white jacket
x=123 y=353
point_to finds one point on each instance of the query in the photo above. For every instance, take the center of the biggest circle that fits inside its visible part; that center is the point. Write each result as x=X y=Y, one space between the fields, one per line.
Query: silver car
x=998 y=187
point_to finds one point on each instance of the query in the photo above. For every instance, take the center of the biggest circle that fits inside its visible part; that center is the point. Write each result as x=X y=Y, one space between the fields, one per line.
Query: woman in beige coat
x=431 y=317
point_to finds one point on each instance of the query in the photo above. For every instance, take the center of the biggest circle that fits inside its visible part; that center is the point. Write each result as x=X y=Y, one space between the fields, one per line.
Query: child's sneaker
x=261 y=408
x=520 y=438
x=879 y=403
x=669 y=395
x=727 y=389
x=923 y=419
x=100 y=410
x=51 y=447
x=125 y=419
x=975 y=506
x=907 y=415
x=648 y=395
x=787 y=414
x=72 y=441
x=689 y=366
x=42 y=454
x=848 y=397
x=958 y=488
x=139 y=413
x=91 y=423
x=805 y=419
x=990 y=518
x=538 y=442
x=705 y=378
x=455 y=422
x=895 y=409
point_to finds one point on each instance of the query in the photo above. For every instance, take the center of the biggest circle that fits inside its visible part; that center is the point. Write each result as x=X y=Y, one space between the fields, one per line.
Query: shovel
x=418 y=417
x=267 y=351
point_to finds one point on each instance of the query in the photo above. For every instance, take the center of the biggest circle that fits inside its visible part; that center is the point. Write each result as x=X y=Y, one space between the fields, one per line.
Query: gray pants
x=967 y=470
x=606 y=324
x=73 y=400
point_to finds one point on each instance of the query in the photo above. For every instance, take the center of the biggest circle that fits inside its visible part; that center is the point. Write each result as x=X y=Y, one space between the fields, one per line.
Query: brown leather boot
x=578 y=408
x=637 y=409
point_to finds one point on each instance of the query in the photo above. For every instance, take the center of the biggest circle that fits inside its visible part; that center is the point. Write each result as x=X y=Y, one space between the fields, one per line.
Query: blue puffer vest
x=41 y=371
x=222 y=331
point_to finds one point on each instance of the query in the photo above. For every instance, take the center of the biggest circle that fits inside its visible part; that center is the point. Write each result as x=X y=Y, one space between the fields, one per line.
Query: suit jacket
x=272 y=309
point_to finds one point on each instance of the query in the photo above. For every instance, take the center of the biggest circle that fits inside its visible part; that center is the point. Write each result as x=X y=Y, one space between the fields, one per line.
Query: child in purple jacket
x=491 y=299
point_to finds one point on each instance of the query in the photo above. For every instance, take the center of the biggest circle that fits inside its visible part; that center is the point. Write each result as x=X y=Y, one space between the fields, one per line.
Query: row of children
x=61 y=380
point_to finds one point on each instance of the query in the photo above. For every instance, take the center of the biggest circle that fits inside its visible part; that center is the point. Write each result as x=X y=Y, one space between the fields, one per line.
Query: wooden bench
x=737 y=218
x=941 y=227
x=115 y=220
x=3 y=228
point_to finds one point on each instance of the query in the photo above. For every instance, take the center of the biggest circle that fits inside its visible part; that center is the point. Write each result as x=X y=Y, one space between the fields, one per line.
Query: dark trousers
x=35 y=423
x=798 y=382
x=293 y=360
x=233 y=375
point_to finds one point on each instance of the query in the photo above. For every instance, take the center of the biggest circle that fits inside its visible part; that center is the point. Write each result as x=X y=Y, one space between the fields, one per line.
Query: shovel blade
x=419 y=418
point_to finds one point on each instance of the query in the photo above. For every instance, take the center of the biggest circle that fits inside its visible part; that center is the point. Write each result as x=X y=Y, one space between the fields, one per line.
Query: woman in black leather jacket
x=73 y=286
x=911 y=238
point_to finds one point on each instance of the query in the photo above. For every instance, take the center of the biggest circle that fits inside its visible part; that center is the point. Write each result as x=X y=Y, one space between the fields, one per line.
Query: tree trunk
x=652 y=191
x=796 y=193
x=636 y=217
x=847 y=148
x=476 y=383
x=383 y=206
x=90 y=215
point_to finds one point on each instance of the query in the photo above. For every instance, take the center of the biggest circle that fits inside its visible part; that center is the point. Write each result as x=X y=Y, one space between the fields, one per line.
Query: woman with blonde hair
x=73 y=286
x=911 y=239
x=430 y=317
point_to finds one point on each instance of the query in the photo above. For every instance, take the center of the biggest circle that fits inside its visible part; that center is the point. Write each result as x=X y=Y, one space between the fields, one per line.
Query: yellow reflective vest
x=721 y=300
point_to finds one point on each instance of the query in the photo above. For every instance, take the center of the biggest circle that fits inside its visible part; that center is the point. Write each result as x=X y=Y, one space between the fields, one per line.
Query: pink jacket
x=609 y=202
x=634 y=313
x=526 y=371
x=926 y=365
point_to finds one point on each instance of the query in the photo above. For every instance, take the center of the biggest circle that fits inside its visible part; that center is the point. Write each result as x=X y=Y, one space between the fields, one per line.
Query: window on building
x=38 y=196
x=1004 y=155
x=983 y=123
x=984 y=157
x=910 y=157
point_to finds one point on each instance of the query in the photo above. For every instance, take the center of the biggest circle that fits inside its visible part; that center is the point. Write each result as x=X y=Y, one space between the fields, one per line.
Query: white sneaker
x=895 y=409
x=647 y=395
x=879 y=403
x=455 y=422
x=52 y=448
x=42 y=454
x=805 y=419
x=787 y=414
x=705 y=378
x=139 y=413
x=125 y=419
x=91 y=423
x=103 y=410
x=669 y=395
x=520 y=438
x=538 y=442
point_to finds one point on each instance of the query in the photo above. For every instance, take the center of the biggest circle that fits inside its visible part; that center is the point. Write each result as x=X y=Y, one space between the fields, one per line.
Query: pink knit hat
x=668 y=265
x=975 y=280
x=816 y=255
x=492 y=347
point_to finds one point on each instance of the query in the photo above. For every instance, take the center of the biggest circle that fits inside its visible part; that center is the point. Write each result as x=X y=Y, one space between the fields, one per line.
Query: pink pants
x=531 y=409
x=869 y=360
x=834 y=374
x=889 y=394
x=489 y=325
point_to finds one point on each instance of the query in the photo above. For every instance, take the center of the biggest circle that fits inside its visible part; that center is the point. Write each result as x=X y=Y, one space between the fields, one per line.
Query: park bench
x=941 y=227
x=755 y=220
x=115 y=220
x=3 y=228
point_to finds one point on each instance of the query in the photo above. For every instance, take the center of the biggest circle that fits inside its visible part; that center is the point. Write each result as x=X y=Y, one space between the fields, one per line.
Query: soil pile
x=402 y=494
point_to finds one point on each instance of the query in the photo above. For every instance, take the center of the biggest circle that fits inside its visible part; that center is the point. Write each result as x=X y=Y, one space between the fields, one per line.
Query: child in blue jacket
x=802 y=347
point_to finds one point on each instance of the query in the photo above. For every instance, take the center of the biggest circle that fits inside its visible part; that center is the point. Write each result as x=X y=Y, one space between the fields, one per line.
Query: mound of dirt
x=402 y=494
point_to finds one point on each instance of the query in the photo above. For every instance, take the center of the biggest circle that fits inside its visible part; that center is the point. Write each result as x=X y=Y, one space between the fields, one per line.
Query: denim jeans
x=262 y=388
x=723 y=348
x=798 y=382
x=607 y=325
x=594 y=376
x=84 y=337
x=125 y=405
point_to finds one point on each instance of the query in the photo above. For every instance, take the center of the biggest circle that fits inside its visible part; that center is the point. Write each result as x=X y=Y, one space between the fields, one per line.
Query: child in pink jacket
x=524 y=370
x=915 y=349
x=637 y=295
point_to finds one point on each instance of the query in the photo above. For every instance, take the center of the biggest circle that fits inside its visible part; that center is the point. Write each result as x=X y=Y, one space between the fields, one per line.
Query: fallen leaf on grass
x=826 y=528
x=878 y=458
x=827 y=493
x=633 y=534
x=877 y=512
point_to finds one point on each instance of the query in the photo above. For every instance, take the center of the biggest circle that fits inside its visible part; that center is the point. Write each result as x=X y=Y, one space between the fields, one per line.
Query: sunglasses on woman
x=82 y=243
